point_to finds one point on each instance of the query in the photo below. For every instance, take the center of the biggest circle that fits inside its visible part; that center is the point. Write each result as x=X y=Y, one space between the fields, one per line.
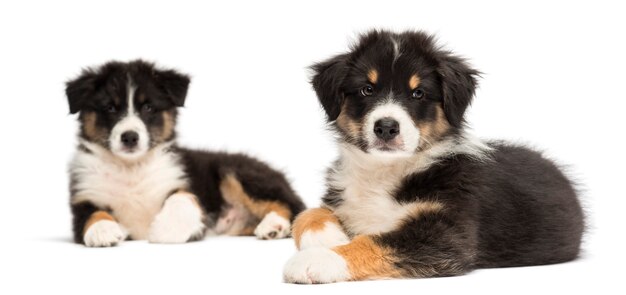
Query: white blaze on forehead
x=131 y=89
x=130 y=122
x=396 y=49
x=409 y=133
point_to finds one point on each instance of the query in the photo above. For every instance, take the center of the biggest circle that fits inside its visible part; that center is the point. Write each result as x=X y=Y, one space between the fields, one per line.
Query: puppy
x=130 y=180
x=412 y=193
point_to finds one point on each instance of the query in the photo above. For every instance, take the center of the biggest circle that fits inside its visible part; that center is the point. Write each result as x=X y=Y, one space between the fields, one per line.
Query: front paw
x=316 y=266
x=104 y=233
x=328 y=237
x=273 y=226
x=179 y=221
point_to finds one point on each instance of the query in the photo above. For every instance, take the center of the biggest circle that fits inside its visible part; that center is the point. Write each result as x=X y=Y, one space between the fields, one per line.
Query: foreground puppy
x=130 y=180
x=412 y=194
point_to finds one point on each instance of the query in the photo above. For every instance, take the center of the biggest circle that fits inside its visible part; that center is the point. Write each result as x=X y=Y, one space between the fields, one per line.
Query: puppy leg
x=101 y=230
x=273 y=226
x=180 y=220
x=94 y=227
x=274 y=216
x=318 y=227
x=362 y=258
x=427 y=245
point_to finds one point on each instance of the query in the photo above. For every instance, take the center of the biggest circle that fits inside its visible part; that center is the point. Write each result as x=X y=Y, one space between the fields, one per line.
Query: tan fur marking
x=432 y=131
x=168 y=126
x=311 y=220
x=414 y=81
x=368 y=260
x=350 y=126
x=233 y=193
x=91 y=131
x=95 y=217
x=372 y=76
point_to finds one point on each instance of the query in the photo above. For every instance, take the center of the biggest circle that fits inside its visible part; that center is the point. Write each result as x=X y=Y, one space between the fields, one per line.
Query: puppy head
x=395 y=94
x=127 y=108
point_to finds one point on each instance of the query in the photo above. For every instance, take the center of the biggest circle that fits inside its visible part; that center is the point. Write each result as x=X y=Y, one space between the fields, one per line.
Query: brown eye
x=367 y=90
x=147 y=108
x=111 y=108
x=418 y=93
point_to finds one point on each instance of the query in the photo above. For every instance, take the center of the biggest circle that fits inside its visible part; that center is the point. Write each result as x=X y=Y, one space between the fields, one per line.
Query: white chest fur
x=368 y=185
x=134 y=193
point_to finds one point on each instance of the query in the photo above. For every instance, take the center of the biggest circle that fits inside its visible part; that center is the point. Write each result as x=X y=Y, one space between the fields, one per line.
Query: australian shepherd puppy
x=129 y=180
x=412 y=193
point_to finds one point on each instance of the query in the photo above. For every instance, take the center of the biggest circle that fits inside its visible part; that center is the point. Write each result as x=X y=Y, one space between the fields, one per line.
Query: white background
x=554 y=78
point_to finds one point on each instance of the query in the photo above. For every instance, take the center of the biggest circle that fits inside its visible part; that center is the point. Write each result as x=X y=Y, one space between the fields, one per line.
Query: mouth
x=129 y=151
x=388 y=146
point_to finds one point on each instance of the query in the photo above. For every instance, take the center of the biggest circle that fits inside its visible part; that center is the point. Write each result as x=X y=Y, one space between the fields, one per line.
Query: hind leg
x=271 y=217
x=273 y=226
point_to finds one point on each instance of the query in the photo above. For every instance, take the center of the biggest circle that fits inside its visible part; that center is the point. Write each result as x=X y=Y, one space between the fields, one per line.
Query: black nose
x=130 y=138
x=386 y=128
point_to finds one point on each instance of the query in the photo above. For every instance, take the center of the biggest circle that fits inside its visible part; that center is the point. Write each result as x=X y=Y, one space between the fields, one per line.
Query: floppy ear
x=174 y=84
x=458 y=86
x=79 y=90
x=327 y=80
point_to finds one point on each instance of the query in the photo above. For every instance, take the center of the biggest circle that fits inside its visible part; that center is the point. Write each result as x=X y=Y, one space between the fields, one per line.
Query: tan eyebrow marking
x=372 y=76
x=414 y=81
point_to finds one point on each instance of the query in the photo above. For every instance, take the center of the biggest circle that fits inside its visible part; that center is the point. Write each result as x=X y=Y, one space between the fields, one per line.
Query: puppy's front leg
x=95 y=227
x=180 y=220
x=362 y=258
x=427 y=245
x=318 y=227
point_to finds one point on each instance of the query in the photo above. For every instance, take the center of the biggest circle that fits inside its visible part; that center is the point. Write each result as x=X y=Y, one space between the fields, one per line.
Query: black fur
x=98 y=88
x=81 y=213
x=508 y=206
x=327 y=84
x=458 y=83
x=207 y=169
x=516 y=209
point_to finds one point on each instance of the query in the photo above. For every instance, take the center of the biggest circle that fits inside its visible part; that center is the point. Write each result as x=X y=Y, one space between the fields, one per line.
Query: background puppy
x=130 y=180
x=412 y=194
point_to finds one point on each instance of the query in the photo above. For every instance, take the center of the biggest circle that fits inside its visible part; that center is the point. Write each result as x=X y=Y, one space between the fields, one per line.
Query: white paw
x=329 y=237
x=104 y=233
x=316 y=266
x=273 y=226
x=179 y=221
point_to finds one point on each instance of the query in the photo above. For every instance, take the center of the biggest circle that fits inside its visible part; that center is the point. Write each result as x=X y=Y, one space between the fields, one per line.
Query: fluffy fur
x=130 y=180
x=415 y=193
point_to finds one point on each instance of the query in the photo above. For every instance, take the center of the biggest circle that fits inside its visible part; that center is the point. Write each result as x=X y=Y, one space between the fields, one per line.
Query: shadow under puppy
x=412 y=194
x=130 y=180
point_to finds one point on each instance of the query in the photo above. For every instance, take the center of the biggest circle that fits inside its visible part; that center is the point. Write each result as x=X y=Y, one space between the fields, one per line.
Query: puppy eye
x=147 y=108
x=110 y=108
x=367 y=90
x=418 y=93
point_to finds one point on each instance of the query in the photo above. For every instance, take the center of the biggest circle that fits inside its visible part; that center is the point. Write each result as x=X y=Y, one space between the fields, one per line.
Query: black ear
x=79 y=90
x=174 y=84
x=327 y=81
x=458 y=86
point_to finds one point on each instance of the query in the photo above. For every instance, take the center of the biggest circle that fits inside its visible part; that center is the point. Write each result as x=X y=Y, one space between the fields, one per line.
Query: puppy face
x=128 y=108
x=394 y=94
